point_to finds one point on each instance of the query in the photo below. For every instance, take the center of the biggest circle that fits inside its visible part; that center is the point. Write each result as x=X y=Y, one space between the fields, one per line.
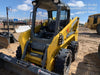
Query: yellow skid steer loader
x=48 y=48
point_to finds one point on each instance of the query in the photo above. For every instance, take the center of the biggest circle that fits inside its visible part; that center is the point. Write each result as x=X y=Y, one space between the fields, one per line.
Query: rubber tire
x=18 y=53
x=98 y=29
x=63 y=62
x=99 y=51
x=74 y=48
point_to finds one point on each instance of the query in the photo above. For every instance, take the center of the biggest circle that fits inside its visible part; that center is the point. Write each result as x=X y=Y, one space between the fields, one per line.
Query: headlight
x=56 y=1
x=34 y=3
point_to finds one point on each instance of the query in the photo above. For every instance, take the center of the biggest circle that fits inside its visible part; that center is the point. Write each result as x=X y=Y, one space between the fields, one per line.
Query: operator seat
x=40 y=44
x=51 y=26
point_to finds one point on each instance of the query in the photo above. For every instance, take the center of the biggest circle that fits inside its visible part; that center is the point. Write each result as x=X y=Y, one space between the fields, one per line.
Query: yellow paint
x=90 y=24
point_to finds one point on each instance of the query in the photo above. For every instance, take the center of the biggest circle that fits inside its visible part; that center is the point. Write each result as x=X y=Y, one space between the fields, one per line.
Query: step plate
x=36 y=55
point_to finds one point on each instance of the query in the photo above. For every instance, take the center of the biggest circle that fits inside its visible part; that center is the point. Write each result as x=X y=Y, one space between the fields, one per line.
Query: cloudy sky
x=22 y=8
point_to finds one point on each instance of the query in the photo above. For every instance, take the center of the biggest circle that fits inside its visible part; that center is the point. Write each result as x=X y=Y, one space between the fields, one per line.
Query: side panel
x=23 y=38
x=99 y=20
x=90 y=23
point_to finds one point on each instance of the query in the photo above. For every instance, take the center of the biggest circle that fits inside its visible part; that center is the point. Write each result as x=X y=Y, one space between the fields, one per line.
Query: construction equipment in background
x=94 y=22
x=48 y=48
x=6 y=37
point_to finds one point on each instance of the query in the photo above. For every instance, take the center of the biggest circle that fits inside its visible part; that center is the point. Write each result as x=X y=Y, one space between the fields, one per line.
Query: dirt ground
x=87 y=62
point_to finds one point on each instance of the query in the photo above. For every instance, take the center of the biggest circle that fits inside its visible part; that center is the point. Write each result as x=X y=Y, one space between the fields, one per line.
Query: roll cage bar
x=49 y=6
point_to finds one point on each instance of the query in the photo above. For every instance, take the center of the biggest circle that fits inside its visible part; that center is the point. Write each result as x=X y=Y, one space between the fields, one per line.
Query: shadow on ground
x=89 y=66
x=90 y=34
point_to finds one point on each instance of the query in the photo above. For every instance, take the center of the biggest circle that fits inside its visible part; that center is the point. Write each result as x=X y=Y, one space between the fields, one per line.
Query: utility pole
x=30 y=16
x=7 y=20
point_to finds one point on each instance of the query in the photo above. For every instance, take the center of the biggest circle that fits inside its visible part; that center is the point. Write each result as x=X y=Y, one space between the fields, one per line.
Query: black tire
x=99 y=51
x=18 y=53
x=63 y=62
x=12 y=39
x=98 y=29
x=74 y=48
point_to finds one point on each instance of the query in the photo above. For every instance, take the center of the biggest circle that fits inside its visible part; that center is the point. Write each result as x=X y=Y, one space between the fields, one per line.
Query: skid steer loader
x=48 y=48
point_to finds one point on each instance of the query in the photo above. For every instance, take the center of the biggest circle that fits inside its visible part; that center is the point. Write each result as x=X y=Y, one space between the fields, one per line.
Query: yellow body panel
x=23 y=38
x=99 y=20
x=53 y=48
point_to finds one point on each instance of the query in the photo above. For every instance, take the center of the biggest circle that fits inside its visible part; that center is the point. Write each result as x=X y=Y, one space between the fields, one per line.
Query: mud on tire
x=74 y=48
x=62 y=62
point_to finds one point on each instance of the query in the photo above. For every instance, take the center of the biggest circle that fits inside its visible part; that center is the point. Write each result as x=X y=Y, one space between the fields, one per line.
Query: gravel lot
x=87 y=62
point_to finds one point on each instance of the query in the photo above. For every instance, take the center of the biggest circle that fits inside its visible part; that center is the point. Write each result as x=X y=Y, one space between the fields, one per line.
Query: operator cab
x=55 y=16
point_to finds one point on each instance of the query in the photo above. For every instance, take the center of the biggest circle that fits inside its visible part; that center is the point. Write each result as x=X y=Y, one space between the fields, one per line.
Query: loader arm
x=69 y=33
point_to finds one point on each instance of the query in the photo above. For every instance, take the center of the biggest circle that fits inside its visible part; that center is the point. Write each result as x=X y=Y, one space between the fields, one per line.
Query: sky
x=21 y=9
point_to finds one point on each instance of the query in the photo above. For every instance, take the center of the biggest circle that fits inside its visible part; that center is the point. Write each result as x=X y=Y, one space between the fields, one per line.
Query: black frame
x=49 y=12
